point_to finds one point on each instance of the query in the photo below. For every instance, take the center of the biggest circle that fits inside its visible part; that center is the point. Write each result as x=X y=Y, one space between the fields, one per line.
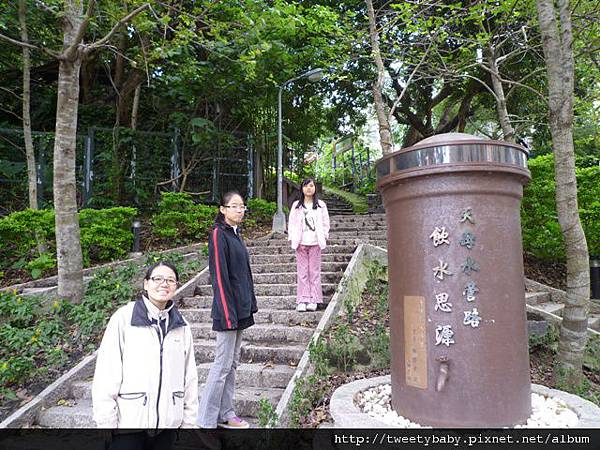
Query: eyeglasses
x=238 y=207
x=161 y=280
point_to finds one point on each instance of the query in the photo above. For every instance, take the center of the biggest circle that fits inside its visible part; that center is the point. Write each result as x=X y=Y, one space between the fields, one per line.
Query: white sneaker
x=301 y=307
x=311 y=307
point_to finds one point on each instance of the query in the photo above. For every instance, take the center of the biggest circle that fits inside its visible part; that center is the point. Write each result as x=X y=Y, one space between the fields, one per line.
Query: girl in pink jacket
x=308 y=230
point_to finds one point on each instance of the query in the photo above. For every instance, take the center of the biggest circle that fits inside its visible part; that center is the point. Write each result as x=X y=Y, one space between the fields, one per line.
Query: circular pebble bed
x=546 y=412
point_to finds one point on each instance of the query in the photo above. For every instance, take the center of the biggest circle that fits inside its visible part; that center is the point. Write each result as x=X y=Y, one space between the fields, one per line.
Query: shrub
x=105 y=236
x=106 y=233
x=19 y=232
x=261 y=210
x=180 y=219
x=541 y=231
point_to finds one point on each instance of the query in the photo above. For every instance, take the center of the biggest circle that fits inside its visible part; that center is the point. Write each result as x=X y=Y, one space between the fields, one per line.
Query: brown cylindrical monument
x=457 y=296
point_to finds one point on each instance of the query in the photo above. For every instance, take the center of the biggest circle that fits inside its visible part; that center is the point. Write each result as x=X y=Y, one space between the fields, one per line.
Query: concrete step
x=536 y=298
x=289 y=317
x=257 y=374
x=246 y=399
x=357 y=229
x=291 y=267
x=265 y=374
x=551 y=307
x=291 y=258
x=275 y=352
x=284 y=302
x=362 y=234
x=260 y=333
x=332 y=241
x=374 y=217
x=79 y=415
x=290 y=251
x=292 y=277
x=269 y=289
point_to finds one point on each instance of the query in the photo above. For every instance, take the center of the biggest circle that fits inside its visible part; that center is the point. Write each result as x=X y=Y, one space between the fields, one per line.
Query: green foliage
x=358 y=202
x=267 y=418
x=546 y=342
x=26 y=331
x=40 y=264
x=307 y=394
x=110 y=288
x=180 y=220
x=18 y=233
x=105 y=236
x=565 y=380
x=262 y=211
x=36 y=337
x=343 y=348
x=106 y=233
x=541 y=230
x=378 y=346
x=317 y=353
x=592 y=353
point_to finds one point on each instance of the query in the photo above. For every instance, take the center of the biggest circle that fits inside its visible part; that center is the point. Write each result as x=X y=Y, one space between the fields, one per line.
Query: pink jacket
x=295 y=225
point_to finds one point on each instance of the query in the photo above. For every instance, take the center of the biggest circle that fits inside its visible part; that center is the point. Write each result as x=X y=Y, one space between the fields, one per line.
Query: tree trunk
x=507 y=129
x=555 y=25
x=29 y=151
x=385 y=134
x=136 y=106
x=68 y=245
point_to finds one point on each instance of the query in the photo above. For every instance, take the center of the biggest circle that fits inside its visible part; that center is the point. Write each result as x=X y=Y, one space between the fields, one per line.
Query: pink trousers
x=308 y=264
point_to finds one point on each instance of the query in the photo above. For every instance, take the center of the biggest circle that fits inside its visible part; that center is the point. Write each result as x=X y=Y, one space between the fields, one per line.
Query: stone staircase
x=336 y=205
x=273 y=347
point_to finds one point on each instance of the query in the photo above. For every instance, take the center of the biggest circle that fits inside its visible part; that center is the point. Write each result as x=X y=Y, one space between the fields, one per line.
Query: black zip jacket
x=234 y=301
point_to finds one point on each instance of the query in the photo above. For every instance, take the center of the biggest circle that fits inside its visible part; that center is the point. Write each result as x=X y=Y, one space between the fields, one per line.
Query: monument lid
x=452 y=150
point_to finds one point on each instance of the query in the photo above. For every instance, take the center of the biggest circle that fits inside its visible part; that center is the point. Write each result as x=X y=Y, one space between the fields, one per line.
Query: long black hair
x=315 y=197
x=220 y=218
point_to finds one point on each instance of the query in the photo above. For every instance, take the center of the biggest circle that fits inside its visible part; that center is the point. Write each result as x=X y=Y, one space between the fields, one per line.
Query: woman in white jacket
x=146 y=374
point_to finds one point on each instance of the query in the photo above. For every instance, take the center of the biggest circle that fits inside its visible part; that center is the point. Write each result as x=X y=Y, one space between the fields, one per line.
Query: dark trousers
x=141 y=440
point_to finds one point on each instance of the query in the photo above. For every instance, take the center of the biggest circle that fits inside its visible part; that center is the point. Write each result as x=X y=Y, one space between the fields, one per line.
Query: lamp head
x=315 y=75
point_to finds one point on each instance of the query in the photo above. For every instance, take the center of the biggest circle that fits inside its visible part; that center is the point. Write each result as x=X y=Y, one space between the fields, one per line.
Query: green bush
x=541 y=231
x=180 y=219
x=105 y=236
x=18 y=232
x=106 y=233
x=261 y=210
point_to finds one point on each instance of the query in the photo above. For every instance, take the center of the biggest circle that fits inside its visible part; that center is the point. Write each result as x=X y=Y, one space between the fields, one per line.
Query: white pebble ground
x=546 y=412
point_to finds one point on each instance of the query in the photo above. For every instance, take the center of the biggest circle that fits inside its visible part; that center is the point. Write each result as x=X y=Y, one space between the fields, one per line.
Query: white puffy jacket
x=145 y=378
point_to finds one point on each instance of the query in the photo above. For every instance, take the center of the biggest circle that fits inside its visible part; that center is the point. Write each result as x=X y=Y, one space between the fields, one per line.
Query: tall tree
x=554 y=18
x=385 y=133
x=68 y=245
x=29 y=151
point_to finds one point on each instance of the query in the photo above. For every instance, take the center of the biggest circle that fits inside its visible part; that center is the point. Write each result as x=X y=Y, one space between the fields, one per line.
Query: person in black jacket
x=234 y=304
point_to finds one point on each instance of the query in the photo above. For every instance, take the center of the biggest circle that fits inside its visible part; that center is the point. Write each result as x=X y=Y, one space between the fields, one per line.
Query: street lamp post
x=279 y=225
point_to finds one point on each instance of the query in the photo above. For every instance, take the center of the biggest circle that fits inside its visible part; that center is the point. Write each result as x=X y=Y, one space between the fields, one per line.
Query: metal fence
x=127 y=167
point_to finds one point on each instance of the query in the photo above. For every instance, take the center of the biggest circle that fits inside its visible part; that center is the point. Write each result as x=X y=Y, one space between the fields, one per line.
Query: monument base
x=347 y=413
